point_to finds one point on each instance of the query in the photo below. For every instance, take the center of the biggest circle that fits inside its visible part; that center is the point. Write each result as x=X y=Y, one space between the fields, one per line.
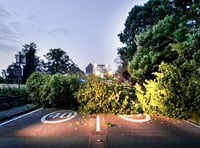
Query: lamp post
x=20 y=61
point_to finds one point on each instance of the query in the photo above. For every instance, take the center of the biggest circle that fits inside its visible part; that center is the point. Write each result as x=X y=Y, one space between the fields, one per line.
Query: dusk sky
x=85 y=29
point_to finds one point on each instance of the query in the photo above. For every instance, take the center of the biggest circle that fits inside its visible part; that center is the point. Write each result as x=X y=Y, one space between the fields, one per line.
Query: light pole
x=20 y=61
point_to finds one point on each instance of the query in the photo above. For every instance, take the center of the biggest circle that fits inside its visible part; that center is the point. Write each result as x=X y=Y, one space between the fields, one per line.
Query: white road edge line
x=192 y=124
x=6 y=122
x=98 y=124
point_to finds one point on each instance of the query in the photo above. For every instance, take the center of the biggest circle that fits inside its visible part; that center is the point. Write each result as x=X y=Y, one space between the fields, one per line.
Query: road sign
x=58 y=116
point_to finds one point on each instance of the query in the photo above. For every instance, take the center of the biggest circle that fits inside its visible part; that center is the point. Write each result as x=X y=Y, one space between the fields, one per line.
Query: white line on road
x=98 y=124
x=6 y=122
x=192 y=124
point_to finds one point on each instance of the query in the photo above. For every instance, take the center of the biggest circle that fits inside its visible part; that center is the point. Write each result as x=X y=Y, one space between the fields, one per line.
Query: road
x=96 y=131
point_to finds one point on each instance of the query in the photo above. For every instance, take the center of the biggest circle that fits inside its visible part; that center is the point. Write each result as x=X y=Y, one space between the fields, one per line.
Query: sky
x=85 y=29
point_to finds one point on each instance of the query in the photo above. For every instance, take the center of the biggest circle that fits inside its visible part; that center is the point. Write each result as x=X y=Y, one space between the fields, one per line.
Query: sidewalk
x=7 y=114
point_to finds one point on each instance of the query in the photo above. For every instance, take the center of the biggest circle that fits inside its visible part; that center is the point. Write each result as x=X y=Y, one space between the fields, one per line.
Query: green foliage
x=60 y=62
x=100 y=96
x=153 y=48
x=172 y=37
x=12 y=97
x=183 y=85
x=31 y=60
x=92 y=95
x=140 y=19
x=12 y=91
x=153 y=98
x=53 y=91
x=34 y=84
x=172 y=93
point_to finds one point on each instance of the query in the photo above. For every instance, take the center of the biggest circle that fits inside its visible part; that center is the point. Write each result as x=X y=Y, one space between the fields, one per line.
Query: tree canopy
x=59 y=62
x=162 y=54
x=31 y=60
x=159 y=31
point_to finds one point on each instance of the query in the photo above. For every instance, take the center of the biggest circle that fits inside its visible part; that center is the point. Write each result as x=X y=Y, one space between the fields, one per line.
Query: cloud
x=9 y=35
x=4 y=13
x=6 y=48
x=59 y=31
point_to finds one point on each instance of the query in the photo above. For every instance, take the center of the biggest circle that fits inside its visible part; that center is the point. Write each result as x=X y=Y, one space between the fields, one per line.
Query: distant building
x=98 y=69
x=89 y=69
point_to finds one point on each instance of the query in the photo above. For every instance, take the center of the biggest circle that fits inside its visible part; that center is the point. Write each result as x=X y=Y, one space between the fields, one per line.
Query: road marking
x=58 y=116
x=98 y=124
x=192 y=123
x=125 y=117
x=6 y=122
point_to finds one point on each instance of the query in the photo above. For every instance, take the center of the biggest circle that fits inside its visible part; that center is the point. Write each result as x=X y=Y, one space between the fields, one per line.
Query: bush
x=53 y=90
x=12 y=91
x=92 y=96
x=34 y=84
x=100 y=96
x=175 y=92
x=12 y=97
x=183 y=85
x=153 y=98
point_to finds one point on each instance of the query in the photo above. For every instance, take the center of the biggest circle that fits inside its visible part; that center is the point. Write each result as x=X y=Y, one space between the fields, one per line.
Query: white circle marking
x=63 y=115
x=125 y=117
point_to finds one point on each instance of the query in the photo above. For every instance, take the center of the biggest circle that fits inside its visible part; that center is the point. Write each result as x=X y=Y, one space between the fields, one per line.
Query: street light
x=110 y=73
x=20 y=61
x=97 y=73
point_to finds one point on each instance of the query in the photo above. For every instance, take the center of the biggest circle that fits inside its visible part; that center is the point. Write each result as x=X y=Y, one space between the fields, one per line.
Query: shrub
x=12 y=91
x=100 y=96
x=175 y=92
x=53 y=90
x=152 y=99
x=34 y=84
x=183 y=85
x=92 y=96
x=12 y=97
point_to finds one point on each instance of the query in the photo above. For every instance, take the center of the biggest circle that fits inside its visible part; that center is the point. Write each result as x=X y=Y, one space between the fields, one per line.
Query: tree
x=143 y=18
x=166 y=62
x=169 y=41
x=31 y=60
x=59 y=62
x=140 y=19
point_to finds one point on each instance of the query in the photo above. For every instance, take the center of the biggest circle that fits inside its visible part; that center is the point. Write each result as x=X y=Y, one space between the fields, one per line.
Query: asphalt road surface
x=47 y=128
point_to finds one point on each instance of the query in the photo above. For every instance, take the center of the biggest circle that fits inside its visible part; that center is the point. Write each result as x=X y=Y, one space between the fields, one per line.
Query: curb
x=192 y=123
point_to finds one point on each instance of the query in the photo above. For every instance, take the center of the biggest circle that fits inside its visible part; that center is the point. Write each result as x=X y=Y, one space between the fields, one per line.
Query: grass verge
x=6 y=115
x=195 y=118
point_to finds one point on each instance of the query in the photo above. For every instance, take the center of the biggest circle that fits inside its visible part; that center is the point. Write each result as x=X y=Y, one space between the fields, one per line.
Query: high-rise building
x=98 y=69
